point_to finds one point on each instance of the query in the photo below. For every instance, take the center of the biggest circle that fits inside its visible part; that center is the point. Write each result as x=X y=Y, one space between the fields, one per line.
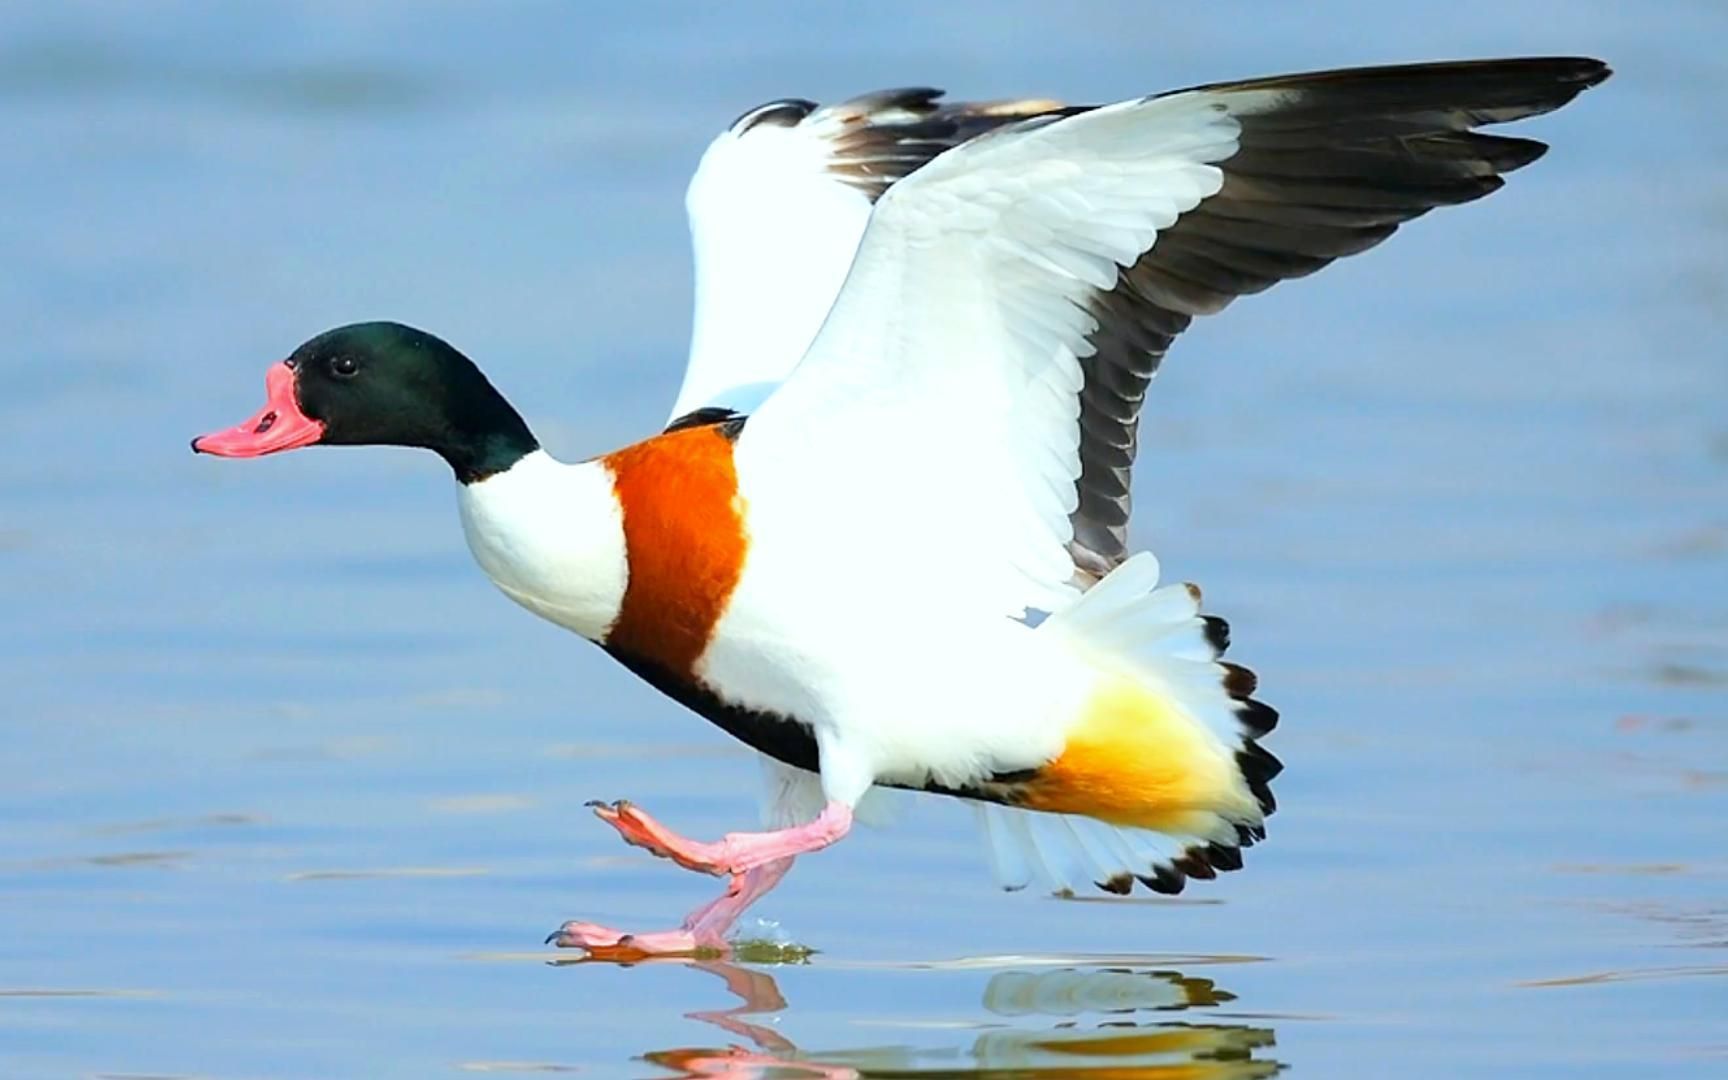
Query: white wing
x=957 y=336
x=1010 y=300
x=777 y=207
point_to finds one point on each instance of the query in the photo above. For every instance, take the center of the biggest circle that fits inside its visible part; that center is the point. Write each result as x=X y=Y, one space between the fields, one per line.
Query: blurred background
x=288 y=791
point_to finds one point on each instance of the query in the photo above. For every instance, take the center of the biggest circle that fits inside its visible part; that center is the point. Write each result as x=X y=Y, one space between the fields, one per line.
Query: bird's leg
x=711 y=921
x=733 y=853
x=704 y=929
x=753 y=863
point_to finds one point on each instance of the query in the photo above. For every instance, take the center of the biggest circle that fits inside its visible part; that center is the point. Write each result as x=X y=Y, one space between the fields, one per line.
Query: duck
x=881 y=538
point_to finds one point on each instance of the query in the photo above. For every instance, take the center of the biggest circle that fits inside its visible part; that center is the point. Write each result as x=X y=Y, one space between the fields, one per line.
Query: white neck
x=551 y=536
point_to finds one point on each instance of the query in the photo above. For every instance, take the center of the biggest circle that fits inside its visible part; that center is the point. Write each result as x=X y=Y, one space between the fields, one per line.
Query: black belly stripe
x=786 y=739
x=780 y=737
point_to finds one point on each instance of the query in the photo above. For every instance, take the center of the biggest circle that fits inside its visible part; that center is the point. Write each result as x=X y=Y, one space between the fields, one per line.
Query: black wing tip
x=1198 y=862
x=885 y=135
x=1516 y=87
x=1586 y=71
x=1239 y=682
x=781 y=112
x=1547 y=82
x=1580 y=71
x=1567 y=77
x=899 y=97
x=1119 y=884
x=792 y=111
x=1506 y=153
x=1259 y=767
x=1591 y=71
x=1257 y=718
x=1224 y=856
x=1217 y=633
x=1164 y=880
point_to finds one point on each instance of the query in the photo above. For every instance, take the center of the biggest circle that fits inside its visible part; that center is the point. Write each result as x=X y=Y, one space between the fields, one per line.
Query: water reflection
x=1065 y=1022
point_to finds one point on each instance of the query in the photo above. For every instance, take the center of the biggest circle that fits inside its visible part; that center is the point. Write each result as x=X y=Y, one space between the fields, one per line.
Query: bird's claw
x=604 y=943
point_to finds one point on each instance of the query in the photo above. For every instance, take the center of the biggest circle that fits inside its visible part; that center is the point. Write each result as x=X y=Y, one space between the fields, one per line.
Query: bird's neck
x=551 y=537
x=485 y=435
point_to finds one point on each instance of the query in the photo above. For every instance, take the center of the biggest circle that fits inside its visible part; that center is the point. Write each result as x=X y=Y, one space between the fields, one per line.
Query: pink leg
x=733 y=853
x=753 y=862
x=703 y=930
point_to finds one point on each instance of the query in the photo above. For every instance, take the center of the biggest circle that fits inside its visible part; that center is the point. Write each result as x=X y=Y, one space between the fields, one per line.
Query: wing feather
x=984 y=365
x=1330 y=169
x=777 y=207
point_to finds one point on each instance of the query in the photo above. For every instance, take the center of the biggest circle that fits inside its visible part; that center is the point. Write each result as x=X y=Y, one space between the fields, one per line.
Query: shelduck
x=882 y=538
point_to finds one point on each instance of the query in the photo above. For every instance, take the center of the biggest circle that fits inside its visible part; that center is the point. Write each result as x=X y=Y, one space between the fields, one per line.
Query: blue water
x=290 y=792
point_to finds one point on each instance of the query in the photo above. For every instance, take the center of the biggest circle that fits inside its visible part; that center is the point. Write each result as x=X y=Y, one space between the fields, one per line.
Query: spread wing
x=980 y=375
x=777 y=207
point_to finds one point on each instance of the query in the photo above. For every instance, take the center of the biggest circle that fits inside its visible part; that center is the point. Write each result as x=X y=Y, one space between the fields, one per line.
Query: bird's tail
x=1162 y=777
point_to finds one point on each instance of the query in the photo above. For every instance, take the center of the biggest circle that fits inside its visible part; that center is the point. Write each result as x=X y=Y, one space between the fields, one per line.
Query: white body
x=906 y=688
x=906 y=490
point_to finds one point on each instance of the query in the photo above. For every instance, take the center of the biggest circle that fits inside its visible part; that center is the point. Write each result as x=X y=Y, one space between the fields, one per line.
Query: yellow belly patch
x=1136 y=758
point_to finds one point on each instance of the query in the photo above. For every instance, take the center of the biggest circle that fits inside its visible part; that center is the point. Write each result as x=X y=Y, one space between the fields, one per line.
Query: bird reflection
x=1067 y=1022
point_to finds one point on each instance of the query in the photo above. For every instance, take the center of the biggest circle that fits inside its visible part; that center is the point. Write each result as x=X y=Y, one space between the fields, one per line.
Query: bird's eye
x=344 y=367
